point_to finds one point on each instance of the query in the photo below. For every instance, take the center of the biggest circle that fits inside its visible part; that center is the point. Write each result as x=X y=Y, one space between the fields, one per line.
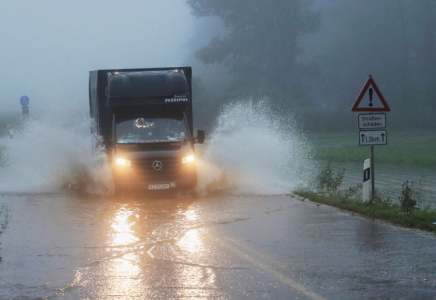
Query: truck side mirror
x=200 y=137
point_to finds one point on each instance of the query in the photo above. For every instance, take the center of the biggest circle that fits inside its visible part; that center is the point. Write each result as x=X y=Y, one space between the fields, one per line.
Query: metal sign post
x=372 y=127
x=24 y=101
x=372 y=174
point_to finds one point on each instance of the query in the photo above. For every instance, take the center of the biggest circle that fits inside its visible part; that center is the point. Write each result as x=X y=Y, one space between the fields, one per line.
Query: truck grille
x=170 y=168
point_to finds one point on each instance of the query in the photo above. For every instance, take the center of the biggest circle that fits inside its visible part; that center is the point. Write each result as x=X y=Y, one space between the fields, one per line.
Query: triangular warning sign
x=370 y=98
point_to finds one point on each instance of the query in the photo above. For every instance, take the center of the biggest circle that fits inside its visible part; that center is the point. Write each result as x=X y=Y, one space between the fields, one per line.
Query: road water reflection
x=151 y=249
x=69 y=246
x=79 y=246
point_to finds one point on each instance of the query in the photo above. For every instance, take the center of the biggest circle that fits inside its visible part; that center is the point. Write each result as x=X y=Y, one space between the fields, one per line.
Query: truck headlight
x=122 y=161
x=188 y=159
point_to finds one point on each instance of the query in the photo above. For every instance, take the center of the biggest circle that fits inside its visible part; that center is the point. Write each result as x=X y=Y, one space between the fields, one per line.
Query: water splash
x=52 y=152
x=254 y=151
x=250 y=150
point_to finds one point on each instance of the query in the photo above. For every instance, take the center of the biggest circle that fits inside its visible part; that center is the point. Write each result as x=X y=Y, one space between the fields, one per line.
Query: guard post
x=366 y=180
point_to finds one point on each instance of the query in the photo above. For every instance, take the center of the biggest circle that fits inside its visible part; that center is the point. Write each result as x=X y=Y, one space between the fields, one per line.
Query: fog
x=48 y=47
x=310 y=57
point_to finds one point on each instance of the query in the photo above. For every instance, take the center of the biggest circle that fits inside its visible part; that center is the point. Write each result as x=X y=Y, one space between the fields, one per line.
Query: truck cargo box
x=143 y=90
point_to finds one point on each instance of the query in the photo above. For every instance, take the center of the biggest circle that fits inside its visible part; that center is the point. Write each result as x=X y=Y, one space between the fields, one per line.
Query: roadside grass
x=2 y=159
x=420 y=219
x=5 y=218
x=386 y=154
x=10 y=118
x=404 y=148
x=406 y=210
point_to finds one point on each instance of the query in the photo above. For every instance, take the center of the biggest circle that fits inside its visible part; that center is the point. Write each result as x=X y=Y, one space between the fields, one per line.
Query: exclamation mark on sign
x=370 y=97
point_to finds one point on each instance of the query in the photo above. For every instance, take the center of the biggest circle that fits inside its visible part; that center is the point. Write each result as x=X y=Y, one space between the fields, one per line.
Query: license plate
x=159 y=186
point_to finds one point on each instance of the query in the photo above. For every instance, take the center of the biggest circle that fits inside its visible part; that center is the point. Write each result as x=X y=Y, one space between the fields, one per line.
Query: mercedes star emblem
x=157 y=165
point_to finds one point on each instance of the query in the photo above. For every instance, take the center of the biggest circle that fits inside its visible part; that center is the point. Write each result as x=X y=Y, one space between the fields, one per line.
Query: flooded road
x=223 y=246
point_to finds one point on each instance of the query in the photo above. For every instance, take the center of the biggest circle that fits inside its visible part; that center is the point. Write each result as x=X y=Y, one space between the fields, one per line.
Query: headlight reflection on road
x=191 y=215
x=197 y=281
x=134 y=262
x=118 y=271
x=191 y=242
x=123 y=272
x=122 y=233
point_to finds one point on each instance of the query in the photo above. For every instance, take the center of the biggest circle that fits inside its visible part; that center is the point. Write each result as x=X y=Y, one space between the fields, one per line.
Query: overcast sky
x=48 y=47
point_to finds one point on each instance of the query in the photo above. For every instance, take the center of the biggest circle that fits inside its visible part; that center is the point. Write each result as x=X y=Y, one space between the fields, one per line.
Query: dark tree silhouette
x=260 y=49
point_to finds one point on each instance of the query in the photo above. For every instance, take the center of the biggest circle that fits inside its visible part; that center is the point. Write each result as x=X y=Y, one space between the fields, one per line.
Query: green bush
x=410 y=197
x=326 y=181
x=5 y=218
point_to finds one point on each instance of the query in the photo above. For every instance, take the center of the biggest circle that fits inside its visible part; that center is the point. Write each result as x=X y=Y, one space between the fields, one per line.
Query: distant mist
x=49 y=47
x=309 y=57
x=335 y=51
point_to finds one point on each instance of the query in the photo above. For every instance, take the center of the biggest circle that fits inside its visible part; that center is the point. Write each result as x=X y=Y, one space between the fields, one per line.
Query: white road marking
x=261 y=261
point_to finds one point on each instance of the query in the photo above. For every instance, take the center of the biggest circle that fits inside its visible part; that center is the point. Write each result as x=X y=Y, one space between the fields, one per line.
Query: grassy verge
x=5 y=218
x=404 y=148
x=8 y=119
x=383 y=210
x=386 y=154
x=1 y=157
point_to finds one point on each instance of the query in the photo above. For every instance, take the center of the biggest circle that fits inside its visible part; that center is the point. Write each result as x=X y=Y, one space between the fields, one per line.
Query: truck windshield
x=151 y=130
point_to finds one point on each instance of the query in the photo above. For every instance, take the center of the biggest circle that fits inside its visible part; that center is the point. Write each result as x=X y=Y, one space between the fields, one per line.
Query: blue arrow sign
x=24 y=101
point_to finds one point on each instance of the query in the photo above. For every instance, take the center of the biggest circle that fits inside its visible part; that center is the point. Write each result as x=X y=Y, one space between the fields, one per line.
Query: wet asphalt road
x=224 y=246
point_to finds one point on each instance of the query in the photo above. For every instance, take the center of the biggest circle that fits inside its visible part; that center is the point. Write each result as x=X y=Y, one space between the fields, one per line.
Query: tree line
x=312 y=57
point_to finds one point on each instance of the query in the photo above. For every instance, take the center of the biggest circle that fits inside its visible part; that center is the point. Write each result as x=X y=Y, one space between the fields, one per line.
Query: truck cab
x=143 y=119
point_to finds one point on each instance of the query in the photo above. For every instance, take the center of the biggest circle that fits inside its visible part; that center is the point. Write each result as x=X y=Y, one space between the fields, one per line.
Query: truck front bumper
x=128 y=178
